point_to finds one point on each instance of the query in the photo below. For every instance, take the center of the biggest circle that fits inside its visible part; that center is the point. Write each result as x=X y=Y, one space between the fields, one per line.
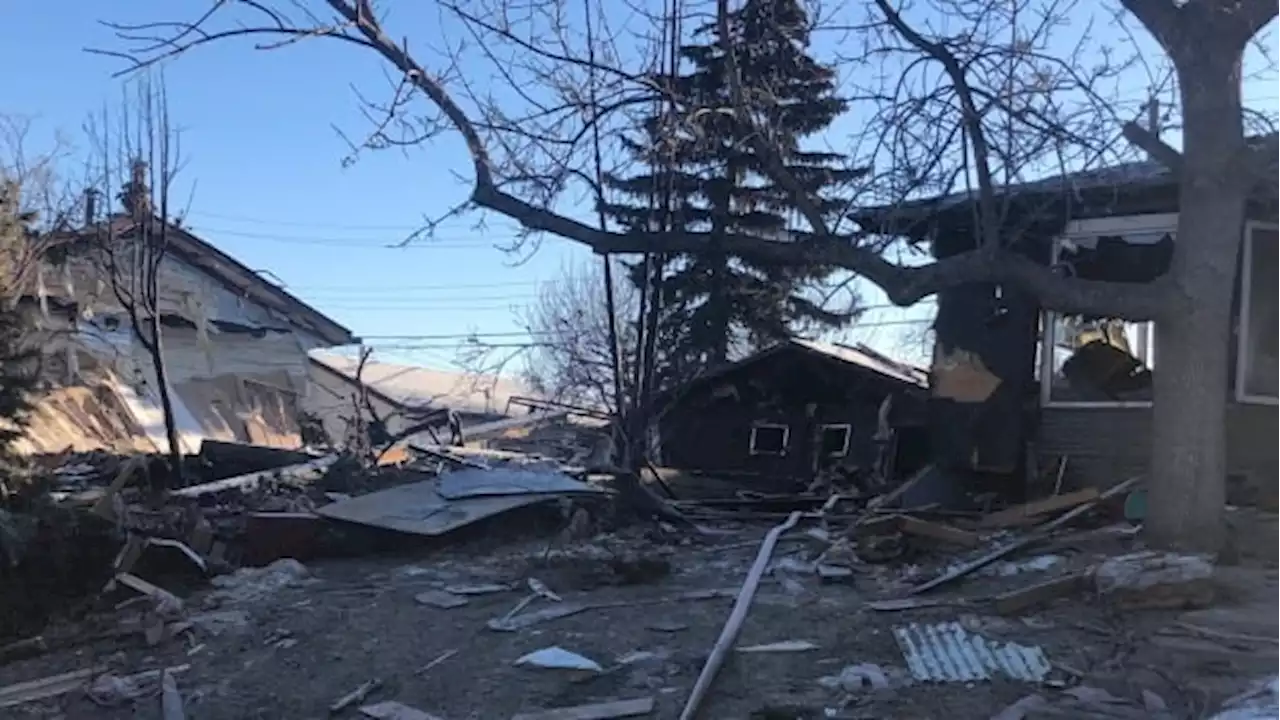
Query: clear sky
x=265 y=160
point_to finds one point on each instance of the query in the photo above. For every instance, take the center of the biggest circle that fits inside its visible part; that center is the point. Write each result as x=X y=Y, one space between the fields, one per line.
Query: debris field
x=461 y=583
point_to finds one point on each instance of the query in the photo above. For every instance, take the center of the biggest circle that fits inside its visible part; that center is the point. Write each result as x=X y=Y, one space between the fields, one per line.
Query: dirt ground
x=290 y=653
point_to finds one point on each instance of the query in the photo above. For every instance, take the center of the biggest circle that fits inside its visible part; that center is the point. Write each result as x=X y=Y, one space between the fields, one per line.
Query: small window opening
x=835 y=440
x=769 y=439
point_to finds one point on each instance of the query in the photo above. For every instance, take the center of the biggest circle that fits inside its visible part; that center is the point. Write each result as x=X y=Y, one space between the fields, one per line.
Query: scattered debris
x=250 y=585
x=479 y=589
x=1031 y=512
x=780 y=646
x=907 y=603
x=437 y=661
x=171 y=707
x=1148 y=580
x=557 y=658
x=1260 y=702
x=732 y=626
x=299 y=474
x=512 y=622
x=947 y=653
x=1022 y=709
x=439 y=599
x=1026 y=598
x=355 y=696
x=937 y=531
x=43 y=688
x=597 y=711
x=392 y=710
x=959 y=571
x=856 y=678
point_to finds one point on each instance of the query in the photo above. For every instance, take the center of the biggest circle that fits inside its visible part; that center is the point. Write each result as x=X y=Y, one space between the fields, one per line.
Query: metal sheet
x=419 y=508
x=474 y=483
x=945 y=652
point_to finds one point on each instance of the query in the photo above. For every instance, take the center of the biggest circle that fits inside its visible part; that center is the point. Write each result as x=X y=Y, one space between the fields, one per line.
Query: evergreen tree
x=18 y=361
x=700 y=175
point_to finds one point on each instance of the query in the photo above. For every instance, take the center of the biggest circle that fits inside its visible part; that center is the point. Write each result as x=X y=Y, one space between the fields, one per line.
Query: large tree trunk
x=1188 y=443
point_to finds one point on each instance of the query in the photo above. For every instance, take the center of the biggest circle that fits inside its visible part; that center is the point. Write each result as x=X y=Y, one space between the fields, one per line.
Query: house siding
x=1105 y=446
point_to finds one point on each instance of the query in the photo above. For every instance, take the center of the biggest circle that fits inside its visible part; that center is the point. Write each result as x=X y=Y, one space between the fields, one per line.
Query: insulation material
x=83 y=419
x=961 y=376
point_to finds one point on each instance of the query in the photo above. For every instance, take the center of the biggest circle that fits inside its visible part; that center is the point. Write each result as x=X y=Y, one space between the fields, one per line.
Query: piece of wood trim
x=937 y=531
x=1017 y=515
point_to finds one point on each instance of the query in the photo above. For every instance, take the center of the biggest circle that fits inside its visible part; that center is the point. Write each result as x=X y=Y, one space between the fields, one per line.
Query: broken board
x=420 y=509
x=483 y=483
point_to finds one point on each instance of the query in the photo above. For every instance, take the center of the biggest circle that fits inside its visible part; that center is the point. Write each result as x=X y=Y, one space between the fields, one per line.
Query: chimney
x=90 y=207
x=136 y=196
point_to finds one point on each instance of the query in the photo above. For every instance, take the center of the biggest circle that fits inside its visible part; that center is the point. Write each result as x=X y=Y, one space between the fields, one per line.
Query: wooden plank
x=44 y=688
x=1040 y=533
x=1022 y=599
x=596 y=711
x=295 y=474
x=937 y=531
x=1017 y=514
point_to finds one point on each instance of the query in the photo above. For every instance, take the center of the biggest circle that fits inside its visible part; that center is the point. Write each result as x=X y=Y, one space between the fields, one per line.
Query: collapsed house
x=400 y=396
x=793 y=411
x=234 y=345
x=1019 y=389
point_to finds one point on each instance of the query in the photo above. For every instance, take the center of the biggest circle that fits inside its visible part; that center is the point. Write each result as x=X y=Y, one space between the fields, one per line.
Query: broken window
x=1104 y=360
x=769 y=439
x=1256 y=367
x=835 y=440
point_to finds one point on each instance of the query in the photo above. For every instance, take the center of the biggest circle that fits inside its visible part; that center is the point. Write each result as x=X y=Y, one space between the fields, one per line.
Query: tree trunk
x=1188 y=442
x=166 y=402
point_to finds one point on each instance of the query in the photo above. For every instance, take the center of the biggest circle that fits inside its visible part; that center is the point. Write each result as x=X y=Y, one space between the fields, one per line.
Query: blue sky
x=265 y=160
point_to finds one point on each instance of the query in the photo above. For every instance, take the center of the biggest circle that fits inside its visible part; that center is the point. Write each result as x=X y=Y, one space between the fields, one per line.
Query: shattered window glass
x=1097 y=359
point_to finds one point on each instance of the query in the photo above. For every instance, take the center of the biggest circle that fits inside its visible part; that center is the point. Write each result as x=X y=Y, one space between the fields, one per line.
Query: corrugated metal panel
x=945 y=652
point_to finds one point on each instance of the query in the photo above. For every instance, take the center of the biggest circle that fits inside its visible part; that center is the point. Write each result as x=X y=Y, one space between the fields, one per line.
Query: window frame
x=1242 y=318
x=848 y=438
x=1092 y=227
x=786 y=439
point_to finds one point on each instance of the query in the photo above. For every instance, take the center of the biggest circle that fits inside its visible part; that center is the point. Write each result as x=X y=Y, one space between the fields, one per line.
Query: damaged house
x=401 y=396
x=1016 y=389
x=235 y=349
x=793 y=411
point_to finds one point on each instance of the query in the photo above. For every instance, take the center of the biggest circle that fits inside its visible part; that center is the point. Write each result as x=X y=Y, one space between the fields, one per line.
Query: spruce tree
x=18 y=361
x=700 y=173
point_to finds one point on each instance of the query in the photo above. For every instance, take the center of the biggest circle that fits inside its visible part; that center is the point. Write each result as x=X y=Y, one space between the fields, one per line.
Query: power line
x=398 y=288
x=302 y=224
x=396 y=243
x=425 y=300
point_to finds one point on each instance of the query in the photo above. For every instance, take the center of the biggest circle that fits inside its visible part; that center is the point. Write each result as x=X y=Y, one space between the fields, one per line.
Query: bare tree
x=129 y=250
x=1008 y=102
x=572 y=360
x=38 y=194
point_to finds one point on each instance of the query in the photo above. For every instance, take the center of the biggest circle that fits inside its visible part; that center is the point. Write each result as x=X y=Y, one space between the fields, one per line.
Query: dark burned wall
x=1108 y=445
x=982 y=376
x=709 y=429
